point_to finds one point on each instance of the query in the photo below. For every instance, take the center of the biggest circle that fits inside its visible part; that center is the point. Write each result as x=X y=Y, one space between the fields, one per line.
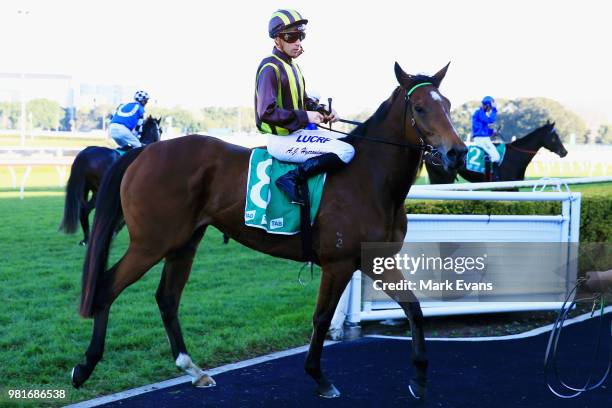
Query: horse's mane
x=384 y=108
x=522 y=140
x=377 y=117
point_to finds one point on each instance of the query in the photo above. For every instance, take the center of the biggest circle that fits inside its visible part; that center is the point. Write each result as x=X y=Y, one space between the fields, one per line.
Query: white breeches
x=301 y=145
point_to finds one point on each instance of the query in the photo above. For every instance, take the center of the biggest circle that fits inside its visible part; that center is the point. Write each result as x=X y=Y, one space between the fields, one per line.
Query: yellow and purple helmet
x=284 y=19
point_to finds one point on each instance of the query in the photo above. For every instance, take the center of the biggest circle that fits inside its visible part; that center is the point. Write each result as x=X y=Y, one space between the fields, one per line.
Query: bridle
x=532 y=152
x=421 y=146
x=157 y=129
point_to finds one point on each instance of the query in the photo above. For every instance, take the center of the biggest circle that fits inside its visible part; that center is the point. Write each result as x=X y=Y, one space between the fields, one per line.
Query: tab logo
x=249 y=215
x=276 y=223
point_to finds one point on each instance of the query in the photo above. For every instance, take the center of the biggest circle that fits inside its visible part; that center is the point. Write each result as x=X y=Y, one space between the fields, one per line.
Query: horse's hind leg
x=334 y=279
x=412 y=308
x=174 y=277
x=84 y=211
x=134 y=264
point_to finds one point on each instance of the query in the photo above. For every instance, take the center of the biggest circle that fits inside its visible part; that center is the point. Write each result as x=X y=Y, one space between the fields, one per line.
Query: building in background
x=71 y=94
x=58 y=88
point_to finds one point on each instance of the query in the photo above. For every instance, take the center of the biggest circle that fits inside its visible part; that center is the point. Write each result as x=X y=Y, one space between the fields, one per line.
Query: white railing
x=20 y=151
x=60 y=163
x=556 y=183
x=35 y=134
x=564 y=227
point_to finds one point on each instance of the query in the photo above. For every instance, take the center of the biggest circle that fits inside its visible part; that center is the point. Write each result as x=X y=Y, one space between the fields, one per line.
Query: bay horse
x=86 y=173
x=170 y=192
x=516 y=159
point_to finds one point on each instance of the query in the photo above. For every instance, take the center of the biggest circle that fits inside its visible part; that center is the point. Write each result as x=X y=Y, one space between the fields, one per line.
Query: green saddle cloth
x=269 y=208
x=476 y=155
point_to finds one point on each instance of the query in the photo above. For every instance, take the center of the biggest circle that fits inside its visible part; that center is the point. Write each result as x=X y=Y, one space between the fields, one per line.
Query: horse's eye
x=418 y=109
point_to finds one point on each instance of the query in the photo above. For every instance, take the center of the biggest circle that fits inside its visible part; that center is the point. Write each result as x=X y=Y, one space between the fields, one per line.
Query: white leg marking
x=184 y=362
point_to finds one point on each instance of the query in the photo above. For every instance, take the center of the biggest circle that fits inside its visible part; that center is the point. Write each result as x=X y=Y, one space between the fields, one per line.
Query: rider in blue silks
x=482 y=130
x=126 y=124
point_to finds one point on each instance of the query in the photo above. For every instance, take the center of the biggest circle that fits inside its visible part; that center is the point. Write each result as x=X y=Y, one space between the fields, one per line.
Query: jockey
x=482 y=130
x=126 y=124
x=284 y=110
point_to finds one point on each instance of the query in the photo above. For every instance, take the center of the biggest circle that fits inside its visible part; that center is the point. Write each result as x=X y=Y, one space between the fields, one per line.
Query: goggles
x=292 y=36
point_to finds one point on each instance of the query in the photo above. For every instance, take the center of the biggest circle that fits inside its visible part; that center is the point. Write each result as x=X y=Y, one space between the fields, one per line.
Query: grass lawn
x=237 y=304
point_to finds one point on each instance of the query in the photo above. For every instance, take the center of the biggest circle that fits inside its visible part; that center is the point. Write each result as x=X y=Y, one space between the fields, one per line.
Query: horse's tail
x=75 y=193
x=107 y=217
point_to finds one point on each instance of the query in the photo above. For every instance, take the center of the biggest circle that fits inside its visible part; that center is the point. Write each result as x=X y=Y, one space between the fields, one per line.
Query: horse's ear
x=402 y=77
x=437 y=79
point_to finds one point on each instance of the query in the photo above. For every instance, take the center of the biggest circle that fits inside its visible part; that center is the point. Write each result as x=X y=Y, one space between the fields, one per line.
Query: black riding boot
x=495 y=171
x=291 y=183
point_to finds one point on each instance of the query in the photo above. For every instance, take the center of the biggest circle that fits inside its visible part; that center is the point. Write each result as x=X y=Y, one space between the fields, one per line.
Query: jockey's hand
x=332 y=117
x=315 y=117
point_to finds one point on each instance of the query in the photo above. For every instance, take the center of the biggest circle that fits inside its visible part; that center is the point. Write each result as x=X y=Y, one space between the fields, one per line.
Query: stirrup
x=291 y=187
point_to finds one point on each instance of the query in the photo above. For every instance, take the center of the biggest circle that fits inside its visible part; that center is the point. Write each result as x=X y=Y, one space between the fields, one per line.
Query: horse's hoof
x=78 y=376
x=83 y=243
x=204 y=381
x=416 y=390
x=328 y=391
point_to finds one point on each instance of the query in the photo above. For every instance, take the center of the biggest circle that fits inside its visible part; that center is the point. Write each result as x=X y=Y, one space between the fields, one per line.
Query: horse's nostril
x=457 y=153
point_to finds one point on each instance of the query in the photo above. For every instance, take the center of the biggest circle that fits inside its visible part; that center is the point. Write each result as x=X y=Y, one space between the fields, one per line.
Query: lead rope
x=550 y=357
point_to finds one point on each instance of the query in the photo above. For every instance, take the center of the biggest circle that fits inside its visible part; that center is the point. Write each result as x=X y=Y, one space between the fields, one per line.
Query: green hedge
x=595 y=218
x=595 y=221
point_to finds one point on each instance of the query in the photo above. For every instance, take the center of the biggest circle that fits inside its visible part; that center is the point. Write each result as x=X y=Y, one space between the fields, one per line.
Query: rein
x=427 y=148
x=522 y=150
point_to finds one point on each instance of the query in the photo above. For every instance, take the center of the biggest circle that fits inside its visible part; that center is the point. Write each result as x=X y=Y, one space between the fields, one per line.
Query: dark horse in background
x=170 y=192
x=86 y=174
x=516 y=159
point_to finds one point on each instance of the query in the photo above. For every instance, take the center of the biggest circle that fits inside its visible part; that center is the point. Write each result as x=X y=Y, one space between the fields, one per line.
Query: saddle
x=123 y=149
x=268 y=208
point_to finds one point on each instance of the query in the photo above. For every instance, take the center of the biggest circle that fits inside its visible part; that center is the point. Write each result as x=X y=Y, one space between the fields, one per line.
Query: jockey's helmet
x=284 y=19
x=488 y=100
x=141 y=97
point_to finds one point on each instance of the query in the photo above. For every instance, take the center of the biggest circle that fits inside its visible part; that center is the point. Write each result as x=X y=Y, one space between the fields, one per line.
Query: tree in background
x=604 y=134
x=518 y=117
x=9 y=115
x=186 y=121
x=236 y=118
x=90 y=118
x=46 y=114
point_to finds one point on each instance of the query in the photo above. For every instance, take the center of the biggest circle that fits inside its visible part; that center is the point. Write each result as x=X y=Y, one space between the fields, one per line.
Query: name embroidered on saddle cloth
x=269 y=208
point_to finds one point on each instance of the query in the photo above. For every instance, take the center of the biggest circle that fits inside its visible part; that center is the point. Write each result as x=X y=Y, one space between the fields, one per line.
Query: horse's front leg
x=412 y=308
x=334 y=279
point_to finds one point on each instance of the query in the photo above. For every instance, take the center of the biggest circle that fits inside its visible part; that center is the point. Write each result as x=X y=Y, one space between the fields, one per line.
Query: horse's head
x=551 y=140
x=429 y=114
x=151 y=130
